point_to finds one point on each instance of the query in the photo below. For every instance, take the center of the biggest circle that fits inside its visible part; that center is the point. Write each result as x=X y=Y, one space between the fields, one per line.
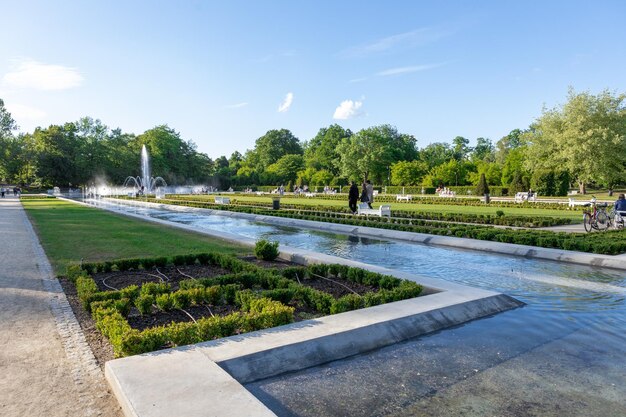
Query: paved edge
x=84 y=366
x=581 y=258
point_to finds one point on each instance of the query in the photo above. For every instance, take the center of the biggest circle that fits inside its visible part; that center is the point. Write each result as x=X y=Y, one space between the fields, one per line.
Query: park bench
x=384 y=210
x=407 y=197
x=573 y=203
x=309 y=194
x=522 y=196
x=222 y=200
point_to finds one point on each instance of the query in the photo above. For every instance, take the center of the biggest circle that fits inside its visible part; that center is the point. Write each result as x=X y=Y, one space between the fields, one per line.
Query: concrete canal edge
x=525 y=251
x=206 y=378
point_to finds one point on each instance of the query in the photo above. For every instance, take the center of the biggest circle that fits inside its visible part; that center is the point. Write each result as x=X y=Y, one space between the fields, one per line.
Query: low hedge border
x=422 y=199
x=500 y=220
x=611 y=242
x=262 y=295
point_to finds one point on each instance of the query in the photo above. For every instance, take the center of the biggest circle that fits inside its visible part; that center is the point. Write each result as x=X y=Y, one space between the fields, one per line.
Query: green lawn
x=426 y=208
x=70 y=232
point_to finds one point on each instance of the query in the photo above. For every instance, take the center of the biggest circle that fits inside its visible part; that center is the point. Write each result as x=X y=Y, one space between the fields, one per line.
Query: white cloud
x=358 y=80
x=21 y=112
x=406 y=70
x=286 y=103
x=236 y=106
x=39 y=76
x=348 y=109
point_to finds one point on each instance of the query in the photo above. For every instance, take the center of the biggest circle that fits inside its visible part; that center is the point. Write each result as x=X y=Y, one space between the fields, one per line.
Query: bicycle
x=617 y=218
x=596 y=218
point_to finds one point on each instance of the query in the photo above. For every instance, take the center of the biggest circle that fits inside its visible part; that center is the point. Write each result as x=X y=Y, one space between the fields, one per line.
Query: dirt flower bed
x=141 y=305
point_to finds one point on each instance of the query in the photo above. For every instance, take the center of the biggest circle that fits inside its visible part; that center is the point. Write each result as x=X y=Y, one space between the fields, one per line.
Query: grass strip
x=70 y=232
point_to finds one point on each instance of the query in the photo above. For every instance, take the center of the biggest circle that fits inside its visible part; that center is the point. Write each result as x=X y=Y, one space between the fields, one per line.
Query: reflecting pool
x=562 y=354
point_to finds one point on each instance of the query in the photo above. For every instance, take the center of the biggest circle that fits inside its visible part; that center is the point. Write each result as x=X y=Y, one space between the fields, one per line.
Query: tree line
x=581 y=143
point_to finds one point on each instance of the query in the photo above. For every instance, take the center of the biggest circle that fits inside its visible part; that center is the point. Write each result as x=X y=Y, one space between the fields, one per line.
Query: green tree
x=286 y=168
x=492 y=171
x=484 y=150
x=321 y=151
x=56 y=150
x=509 y=142
x=436 y=154
x=460 y=148
x=370 y=153
x=586 y=136
x=450 y=173
x=270 y=147
x=482 y=188
x=408 y=172
x=8 y=145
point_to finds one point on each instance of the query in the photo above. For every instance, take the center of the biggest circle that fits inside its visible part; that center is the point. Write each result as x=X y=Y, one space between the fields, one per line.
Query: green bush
x=347 y=303
x=266 y=250
x=144 y=303
x=164 y=302
x=155 y=288
x=74 y=271
x=180 y=299
x=85 y=287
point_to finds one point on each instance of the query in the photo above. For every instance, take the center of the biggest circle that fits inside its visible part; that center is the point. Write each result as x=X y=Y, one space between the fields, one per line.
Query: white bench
x=522 y=196
x=222 y=200
x=407 y=197
x=309 y=194
x=573 y=203
x=384 y=210
x=447 y=194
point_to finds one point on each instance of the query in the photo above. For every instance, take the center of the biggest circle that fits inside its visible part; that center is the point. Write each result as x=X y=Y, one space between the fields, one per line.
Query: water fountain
x=145 y=184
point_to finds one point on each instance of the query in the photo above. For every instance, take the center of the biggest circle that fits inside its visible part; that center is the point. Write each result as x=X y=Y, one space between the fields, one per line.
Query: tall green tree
x=320 y=152
x=436 y=154
x=370 y=153
x=408 y=172
x=286 y=168
x=484 y=151
x=586 y=136
x=270 y=147
x=460 y=148
x=57 y=148
x=507 y=143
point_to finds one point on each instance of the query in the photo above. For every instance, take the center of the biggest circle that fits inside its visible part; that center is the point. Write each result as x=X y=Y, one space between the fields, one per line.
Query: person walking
x=353 y=197
x=363 y=197
x=370 y=193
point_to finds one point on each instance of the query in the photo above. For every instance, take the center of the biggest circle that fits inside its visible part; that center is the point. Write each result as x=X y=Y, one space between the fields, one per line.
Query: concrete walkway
x=46 y=366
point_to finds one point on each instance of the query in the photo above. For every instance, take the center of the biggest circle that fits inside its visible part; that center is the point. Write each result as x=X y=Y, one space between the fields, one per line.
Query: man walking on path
x=370 y=193
x=46 y=367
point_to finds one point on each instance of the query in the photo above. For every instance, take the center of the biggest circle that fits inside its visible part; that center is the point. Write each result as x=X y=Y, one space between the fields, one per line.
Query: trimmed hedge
x=502 y=220
x=611 y=242
x=261 y=294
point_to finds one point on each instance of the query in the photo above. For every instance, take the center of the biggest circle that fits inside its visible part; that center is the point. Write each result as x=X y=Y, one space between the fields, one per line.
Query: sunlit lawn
x=70 y=232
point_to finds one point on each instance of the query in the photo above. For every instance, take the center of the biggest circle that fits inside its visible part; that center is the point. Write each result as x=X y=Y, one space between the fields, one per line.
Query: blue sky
x=223 y=73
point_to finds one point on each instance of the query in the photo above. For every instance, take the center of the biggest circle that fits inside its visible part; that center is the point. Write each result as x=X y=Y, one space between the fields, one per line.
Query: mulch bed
x=173 y=275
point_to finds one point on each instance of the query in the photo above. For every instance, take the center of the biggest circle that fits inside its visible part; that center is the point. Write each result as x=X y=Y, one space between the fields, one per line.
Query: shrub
x=85 y=287
x=347 y=303
x=180 y=299
x=144 y=303
x=155 y=288
x=266 y=250
x=164 y=302
x=74 y=271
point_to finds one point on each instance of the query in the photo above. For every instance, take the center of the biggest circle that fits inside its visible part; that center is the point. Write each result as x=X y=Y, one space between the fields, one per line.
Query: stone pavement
x=46 y=366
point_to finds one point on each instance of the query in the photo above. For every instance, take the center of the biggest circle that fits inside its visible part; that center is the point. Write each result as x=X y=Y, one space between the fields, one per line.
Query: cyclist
x=620 y=209
x=620 y=204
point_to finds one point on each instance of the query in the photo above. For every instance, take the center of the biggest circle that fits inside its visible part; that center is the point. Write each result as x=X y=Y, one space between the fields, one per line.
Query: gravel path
x=46 y=367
